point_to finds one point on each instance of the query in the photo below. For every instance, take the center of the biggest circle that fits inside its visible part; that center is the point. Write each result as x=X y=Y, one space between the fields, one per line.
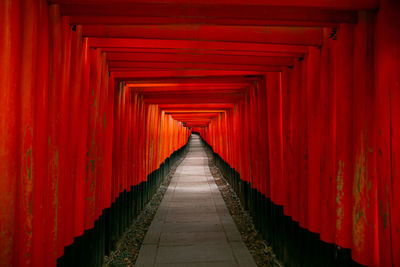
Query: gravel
x=127 y=248
x=258 y=247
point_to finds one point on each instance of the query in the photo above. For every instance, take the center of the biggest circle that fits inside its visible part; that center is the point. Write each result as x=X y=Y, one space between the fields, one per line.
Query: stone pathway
x=192 y=226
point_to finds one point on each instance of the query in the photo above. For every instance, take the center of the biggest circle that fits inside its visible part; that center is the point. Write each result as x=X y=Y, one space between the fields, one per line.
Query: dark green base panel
x=293 y=245
x=89 y=249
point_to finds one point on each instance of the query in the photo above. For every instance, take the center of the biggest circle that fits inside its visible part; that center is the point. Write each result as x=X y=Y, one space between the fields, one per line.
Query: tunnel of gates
x=97 y=100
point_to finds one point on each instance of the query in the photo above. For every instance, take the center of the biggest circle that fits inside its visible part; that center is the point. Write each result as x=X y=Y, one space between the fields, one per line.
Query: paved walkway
x=192 y=226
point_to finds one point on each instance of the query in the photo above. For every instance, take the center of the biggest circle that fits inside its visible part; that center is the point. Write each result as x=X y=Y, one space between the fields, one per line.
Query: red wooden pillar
x=387 y=118
x=51 y=194
x=82 y=132
x=294 y=140
x=274 y=134
x=40 y=251
x=344 y=167
x=328 y=139
x=10 y=49
x=364 y=199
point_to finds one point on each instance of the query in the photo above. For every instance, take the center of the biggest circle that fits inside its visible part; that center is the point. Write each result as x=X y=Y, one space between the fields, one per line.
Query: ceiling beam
x=184 y=88
x=198 y=58
x=247 y=34
x=191 y=66
x=203 y=14
x=131 y=20
x=140 y=74
x=198 y=80
x=174 y=51
x=210 y=105
x=179 y=111
x=198 y=45
x=337 y=4
x=192 y=99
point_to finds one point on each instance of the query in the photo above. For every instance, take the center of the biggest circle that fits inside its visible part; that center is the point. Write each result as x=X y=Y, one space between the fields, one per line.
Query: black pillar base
x=89 y=249
x=292 y=244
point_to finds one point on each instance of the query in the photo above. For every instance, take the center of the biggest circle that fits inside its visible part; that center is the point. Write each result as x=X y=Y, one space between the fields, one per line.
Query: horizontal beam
x=131 y=20
x=210 y=105
x=180 y=111
x=246 y=34
x=188 y=44
x=201 y=52
x=198 y=58
x=198 y=80
x=194 y=119
x=138 y=74
x=143 y=85
x=190 y=119
x=180 y=88
x=192 y=125
x=202 y=14
x=204 y=72
x=199 y=94
x=190 y=66
x=336 y=4
x=190 y=99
